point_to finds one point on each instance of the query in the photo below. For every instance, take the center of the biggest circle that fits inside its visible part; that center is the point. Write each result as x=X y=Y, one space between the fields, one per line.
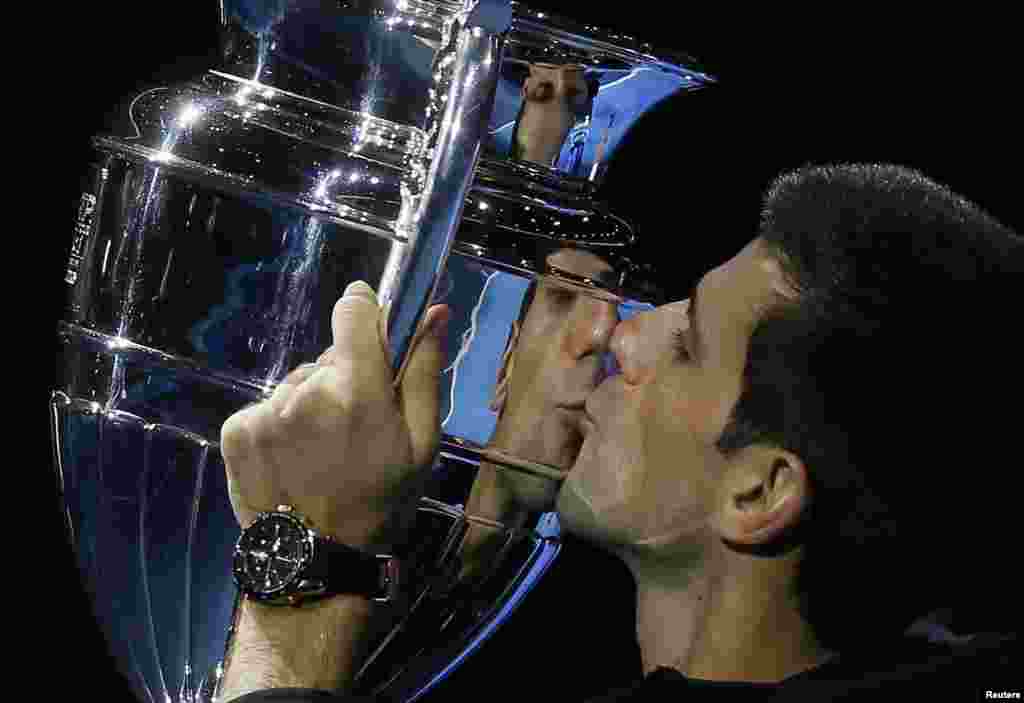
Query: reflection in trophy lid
x=600 y=284
x=561 y=66
x=581 y=285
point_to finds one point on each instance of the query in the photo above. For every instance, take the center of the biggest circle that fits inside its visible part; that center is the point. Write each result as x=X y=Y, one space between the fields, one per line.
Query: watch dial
x=270 y=554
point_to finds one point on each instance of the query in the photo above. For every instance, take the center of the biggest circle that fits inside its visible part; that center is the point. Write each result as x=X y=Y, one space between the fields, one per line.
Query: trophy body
x=442 y=152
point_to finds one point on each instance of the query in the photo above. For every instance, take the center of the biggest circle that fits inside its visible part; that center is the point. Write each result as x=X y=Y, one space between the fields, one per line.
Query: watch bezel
x=290 y=586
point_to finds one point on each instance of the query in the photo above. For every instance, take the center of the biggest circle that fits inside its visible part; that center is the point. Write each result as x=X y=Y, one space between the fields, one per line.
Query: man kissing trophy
x=441 y=151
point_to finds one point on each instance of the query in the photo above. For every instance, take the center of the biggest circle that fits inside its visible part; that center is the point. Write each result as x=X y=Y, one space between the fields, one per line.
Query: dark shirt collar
x=827 y=669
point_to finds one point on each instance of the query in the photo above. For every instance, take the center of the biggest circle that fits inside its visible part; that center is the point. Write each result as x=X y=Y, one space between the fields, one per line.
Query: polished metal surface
x=463 y=97
x=441 y=151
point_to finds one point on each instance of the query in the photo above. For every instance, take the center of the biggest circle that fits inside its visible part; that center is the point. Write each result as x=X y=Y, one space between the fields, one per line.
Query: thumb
x=420 y=386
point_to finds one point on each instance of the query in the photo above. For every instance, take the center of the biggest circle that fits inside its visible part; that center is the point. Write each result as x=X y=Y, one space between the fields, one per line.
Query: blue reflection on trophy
x=214 y=247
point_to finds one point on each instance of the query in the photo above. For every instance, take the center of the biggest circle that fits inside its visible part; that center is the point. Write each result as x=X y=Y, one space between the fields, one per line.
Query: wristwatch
x=281 y=560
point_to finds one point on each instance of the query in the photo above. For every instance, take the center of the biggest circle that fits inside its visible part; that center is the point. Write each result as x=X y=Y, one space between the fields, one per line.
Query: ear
x=764 y=494
x=505 y=373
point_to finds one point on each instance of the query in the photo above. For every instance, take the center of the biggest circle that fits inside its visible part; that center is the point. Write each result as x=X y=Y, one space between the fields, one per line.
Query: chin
x=576 y=515
x=534 y=494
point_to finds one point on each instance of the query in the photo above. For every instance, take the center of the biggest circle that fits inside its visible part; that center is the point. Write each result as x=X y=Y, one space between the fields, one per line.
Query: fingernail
x=439 y=323
x=358 y=288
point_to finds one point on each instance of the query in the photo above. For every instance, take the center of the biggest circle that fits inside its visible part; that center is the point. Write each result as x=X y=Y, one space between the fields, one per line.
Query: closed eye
x=560 y=297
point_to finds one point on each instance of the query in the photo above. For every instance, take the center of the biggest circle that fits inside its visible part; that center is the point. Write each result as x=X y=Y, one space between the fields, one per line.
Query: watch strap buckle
x=390 y=580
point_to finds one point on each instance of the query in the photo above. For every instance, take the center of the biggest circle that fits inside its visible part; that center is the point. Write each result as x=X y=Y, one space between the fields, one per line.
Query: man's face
x=648 y=474
x=554 y=362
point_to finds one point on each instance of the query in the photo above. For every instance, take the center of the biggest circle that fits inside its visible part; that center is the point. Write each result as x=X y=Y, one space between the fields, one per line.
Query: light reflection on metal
x=233 y=204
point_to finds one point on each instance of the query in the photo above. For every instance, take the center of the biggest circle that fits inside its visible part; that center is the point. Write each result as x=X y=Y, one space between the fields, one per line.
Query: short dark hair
x=880 y=377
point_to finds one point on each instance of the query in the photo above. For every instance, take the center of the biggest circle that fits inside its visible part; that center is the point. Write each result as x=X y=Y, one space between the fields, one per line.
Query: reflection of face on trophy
x=554 y=359
x=221 y=220
x=551 y=97
x=554 y=356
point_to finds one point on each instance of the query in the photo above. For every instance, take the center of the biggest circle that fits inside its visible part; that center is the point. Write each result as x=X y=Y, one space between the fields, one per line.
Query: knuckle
x=333 y=397
x=254 y=430
x=315 y=404
x=265 y=431
x=235 y=437
x=339 y=394
x=351 y=307
x=281 y=393
x=298 y=374
x=326 y=357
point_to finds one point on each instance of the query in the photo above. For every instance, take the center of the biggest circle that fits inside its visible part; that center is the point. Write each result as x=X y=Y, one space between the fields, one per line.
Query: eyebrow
x=691 y=311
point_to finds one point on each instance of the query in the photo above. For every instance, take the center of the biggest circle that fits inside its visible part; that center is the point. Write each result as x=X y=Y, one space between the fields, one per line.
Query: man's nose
x=631 y=356
x=593 y=327
x=627 y=310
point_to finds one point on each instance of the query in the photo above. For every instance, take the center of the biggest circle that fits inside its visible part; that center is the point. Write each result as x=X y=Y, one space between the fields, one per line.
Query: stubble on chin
x=596 y=488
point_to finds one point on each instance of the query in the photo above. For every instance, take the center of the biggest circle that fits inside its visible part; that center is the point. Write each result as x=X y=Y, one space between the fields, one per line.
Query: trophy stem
x=431 y=216
x=334 y=142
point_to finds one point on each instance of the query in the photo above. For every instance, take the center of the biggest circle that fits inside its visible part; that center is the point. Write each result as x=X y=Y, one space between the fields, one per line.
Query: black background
x=934 y=90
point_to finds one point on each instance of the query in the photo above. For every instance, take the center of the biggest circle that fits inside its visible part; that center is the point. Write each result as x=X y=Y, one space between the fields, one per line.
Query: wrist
x=319 y=644
x=386 y=533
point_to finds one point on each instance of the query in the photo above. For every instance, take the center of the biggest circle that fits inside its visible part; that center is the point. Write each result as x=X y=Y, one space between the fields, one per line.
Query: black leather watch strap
x=348 y=570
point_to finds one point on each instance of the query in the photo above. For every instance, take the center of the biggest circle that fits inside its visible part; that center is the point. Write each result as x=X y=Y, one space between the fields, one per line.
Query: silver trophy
x=441 y=151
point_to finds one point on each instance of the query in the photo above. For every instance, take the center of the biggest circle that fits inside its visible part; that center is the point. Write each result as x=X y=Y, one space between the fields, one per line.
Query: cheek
x=640 y=473
x=677 y=477
x=526 y=378
x=703 y=409
x=604 y=471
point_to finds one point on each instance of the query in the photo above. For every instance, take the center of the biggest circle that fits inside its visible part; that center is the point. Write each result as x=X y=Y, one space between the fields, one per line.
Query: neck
x=722 y=617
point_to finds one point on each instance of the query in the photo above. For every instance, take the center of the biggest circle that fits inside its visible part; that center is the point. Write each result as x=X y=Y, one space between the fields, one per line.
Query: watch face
x=270 y=554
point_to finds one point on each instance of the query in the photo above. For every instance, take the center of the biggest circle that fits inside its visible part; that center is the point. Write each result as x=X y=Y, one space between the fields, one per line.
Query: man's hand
x=337 y=440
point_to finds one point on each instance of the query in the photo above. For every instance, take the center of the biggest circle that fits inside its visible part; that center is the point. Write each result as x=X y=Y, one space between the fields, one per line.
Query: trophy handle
x=218 y=229
x=459 y=124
